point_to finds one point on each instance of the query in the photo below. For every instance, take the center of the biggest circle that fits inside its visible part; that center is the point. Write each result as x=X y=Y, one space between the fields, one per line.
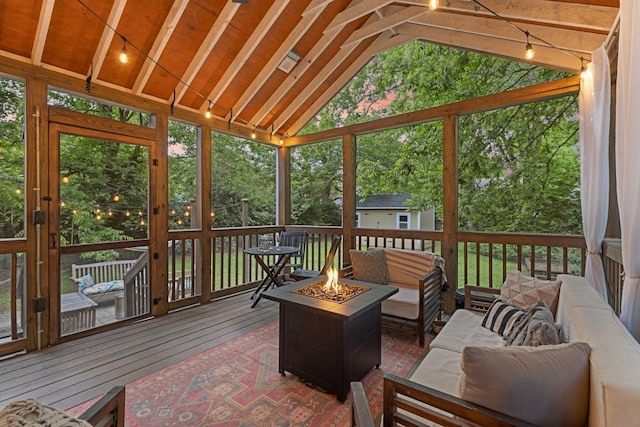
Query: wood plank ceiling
x=225 y=55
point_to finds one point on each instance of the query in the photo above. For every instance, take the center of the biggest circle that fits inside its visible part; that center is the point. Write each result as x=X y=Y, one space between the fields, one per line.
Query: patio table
x=282 y=254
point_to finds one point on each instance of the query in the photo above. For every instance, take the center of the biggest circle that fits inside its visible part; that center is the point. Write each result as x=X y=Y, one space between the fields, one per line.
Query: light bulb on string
x=127 y=213
x=433 y=4
x=124 y=58
x=116 y=198
x=208 y=113
x=585 y=71
x=528 y=49
x=65 y=179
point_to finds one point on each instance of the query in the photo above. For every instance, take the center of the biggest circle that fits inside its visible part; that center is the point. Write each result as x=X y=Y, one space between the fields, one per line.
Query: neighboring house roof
x=383 y=201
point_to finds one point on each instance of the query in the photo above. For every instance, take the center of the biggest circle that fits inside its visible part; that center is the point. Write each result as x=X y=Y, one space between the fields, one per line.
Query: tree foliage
x=518 y=167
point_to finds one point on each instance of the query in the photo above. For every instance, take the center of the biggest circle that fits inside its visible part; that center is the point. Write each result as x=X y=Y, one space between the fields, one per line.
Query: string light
x=253 y=134
x=585 y=72
x=65 y=179
x=529 y=53
x=433 y=4
x=116 y=198
x=124 y=58
x=528 y=50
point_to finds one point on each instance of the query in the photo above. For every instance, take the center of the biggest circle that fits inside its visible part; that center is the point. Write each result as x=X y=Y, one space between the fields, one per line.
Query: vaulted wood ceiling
x=225 y=55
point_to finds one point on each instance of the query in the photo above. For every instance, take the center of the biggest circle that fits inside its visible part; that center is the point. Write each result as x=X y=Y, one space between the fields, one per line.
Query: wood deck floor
x=71 y=373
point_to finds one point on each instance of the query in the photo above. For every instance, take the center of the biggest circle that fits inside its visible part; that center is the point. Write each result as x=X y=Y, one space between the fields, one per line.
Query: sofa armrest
x=108 y=410
x=360 y=412
x=412 y=398
x=479 y=298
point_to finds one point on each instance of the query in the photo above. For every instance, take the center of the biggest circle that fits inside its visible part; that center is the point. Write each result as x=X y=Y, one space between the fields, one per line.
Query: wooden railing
x=12 y=296
x=486 y=258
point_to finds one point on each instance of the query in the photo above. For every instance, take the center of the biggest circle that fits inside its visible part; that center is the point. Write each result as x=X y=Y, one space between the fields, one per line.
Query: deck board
x=76 y=371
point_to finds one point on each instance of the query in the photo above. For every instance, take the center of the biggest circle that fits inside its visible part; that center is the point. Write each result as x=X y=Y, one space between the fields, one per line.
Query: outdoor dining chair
x=297 y=239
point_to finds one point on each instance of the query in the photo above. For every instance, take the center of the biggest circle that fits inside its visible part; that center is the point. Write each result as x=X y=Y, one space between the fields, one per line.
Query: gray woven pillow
x=536 y=327
x=369 y=266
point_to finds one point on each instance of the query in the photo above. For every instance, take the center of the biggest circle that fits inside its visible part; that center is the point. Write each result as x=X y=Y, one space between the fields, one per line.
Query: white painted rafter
x=309 y=16
x=249 y=47
x=210 y=41
x=163 y=37
x=41 y=32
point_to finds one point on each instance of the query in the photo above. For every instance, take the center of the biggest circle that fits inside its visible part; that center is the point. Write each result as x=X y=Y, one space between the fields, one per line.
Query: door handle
x=54 y=240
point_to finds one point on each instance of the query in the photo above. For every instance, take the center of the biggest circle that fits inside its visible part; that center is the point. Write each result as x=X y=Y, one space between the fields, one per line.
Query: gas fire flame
x=332 y=284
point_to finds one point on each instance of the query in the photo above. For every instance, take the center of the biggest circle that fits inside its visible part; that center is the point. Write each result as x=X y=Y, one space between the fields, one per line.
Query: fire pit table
x=330 y=341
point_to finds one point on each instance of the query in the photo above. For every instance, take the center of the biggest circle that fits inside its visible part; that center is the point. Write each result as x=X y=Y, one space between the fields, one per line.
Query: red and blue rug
x=238 y=384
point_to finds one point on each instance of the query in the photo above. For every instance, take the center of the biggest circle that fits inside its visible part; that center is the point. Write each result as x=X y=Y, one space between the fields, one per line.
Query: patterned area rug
x=238 y=384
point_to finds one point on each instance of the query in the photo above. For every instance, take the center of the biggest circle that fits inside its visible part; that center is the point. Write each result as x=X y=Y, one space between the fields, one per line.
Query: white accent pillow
x=545 y=386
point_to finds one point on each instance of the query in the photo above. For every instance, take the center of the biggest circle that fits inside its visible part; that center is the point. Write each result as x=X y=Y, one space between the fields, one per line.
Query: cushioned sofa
x=591 y=378
x=419 y=277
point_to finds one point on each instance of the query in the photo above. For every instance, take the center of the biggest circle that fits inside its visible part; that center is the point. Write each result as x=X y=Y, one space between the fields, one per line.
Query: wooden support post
x=159 y=198
x=349 y=151
x=450 y=207
x=283 y=186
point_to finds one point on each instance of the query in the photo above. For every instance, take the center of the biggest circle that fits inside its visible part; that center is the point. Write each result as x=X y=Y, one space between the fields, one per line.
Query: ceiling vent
x=289 y=62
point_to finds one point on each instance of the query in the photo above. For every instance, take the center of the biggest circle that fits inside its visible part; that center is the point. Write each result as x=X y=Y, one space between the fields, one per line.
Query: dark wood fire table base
x=327 y=343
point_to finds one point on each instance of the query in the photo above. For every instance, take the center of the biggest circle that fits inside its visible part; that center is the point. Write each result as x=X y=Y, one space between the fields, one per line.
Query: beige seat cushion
x=465 y=328
x=545 y=386
x=404 y=303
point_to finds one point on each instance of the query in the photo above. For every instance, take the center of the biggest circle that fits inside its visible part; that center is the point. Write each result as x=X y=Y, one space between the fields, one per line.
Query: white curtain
x=595 y=91
x=628 y=160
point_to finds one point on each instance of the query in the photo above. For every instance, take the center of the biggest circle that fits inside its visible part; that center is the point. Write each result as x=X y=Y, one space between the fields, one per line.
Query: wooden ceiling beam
x=356 y=10
x=317 y=80
x=160 y=42
x=107 y=35
x=511 y=50
x=547 y=12
x=210 y=41
x=41 y=32
x=327 y=37
x=397 y=16
x=266 y=24
x=563 y=39
x=309 y=16
x=384 y=42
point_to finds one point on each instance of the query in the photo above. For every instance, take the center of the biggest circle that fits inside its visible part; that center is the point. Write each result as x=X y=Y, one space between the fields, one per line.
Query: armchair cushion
x=546 y=385
x=369 y=266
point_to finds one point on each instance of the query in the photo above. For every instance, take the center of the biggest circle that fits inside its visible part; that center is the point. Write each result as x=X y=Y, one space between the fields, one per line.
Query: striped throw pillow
x=501 y=317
